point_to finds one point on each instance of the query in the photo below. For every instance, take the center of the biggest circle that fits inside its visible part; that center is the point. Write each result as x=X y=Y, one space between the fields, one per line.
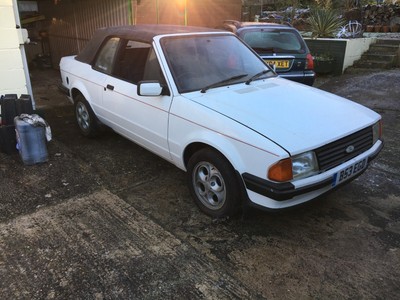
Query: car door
x=95 y=75
x=143 y=120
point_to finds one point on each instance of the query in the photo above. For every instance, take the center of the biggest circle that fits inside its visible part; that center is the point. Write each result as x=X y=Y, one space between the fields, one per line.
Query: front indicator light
x=281 y=171
x=299 y=166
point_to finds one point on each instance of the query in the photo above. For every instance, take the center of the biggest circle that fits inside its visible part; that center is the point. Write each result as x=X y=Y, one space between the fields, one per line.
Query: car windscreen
x=275 y=41
x=201 y=62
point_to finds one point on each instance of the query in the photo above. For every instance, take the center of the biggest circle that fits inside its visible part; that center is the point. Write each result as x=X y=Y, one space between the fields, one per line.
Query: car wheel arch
x=74 y=93
x=197 y=146
x=80 y=89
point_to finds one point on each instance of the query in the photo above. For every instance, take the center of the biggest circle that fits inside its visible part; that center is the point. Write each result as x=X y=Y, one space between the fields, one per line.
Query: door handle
x=110 y=87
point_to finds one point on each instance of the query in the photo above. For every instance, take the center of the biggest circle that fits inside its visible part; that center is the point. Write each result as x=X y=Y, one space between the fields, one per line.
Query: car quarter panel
x=248 y=151
x=84 y=79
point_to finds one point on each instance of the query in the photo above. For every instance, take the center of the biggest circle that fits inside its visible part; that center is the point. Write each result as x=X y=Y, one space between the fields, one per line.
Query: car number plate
x=279 y=64
x=349 y=172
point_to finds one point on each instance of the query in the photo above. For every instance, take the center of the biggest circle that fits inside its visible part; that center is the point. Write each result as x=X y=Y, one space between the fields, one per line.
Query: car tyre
x=213 y=183
x=85 y=117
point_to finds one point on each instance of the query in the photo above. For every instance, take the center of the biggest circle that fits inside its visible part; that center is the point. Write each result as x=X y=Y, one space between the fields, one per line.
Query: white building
x=14 y=74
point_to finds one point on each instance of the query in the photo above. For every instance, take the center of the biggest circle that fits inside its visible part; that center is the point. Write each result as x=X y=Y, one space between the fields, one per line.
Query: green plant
x=326 y=4
x=323 y=57
x=324 y=23
x=324 y=63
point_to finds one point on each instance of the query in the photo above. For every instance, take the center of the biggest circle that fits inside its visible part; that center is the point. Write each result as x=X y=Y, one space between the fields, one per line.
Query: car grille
x=334 y=154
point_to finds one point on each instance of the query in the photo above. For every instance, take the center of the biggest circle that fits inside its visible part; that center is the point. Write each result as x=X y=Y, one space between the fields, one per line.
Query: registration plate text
x=349 y=172
x=279 y=64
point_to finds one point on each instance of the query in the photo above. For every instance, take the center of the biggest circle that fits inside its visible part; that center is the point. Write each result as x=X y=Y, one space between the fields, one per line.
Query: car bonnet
x=297 y=117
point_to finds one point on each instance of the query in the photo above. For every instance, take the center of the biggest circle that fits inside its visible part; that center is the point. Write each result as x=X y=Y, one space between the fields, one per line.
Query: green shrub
x=324 y=23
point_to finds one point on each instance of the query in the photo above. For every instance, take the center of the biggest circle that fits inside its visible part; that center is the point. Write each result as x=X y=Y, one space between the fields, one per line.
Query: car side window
x=105 y=58
x=131 y=61
x=152 y=70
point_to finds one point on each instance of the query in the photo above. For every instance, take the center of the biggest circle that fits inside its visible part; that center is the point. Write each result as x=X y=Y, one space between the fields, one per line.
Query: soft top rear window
x=278 y=41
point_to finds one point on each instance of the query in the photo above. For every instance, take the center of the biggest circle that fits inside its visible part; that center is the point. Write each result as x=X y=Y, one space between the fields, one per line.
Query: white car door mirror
x=149 y=88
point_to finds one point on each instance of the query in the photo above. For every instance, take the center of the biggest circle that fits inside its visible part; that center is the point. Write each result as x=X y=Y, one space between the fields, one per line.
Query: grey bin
x=31 y=141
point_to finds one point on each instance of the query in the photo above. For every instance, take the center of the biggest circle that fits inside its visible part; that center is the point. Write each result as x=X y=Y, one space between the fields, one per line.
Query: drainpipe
x=23 y=39
x=132 y=11
x=157 y=12
x=76 y=29
x=186 y=18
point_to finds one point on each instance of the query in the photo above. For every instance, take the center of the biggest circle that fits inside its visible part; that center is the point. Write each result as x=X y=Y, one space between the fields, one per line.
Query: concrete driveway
x=106 y=219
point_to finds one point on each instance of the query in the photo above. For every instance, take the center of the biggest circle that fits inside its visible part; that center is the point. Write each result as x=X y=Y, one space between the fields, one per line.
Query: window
x=152 y=70
x=279 y=41
x=105 y=59
x=132 y=57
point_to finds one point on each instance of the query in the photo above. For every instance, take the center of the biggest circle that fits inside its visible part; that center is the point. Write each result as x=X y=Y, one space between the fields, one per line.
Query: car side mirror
x=151 y=89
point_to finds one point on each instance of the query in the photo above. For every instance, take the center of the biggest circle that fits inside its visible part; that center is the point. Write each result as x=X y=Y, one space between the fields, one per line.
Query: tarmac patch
x=98 y=246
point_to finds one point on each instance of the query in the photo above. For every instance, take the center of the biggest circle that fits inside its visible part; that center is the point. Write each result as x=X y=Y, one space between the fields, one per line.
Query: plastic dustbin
x=31 y=139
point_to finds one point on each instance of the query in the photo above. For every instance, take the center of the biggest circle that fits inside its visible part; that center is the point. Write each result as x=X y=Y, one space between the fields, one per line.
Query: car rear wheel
x=213 y=183
x=85 y=117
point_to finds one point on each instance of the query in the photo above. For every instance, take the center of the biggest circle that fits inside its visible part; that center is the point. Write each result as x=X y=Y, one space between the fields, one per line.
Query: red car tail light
x=309 y=62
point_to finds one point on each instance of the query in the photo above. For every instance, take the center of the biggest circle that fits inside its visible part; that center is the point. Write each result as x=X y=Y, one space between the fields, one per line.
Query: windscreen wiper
x=257 y=75
x=219 y=83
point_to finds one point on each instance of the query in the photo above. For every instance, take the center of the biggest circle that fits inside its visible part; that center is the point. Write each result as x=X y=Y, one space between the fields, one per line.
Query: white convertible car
x=203 y=100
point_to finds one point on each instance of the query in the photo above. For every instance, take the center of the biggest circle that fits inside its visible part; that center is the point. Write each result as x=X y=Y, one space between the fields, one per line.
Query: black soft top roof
x=143 y=33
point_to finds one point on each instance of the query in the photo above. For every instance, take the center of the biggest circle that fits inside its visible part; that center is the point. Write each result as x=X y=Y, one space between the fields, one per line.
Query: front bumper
x=276 y=195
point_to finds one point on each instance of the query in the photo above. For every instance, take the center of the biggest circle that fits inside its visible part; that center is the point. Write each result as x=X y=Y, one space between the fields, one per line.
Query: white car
x=203 y=100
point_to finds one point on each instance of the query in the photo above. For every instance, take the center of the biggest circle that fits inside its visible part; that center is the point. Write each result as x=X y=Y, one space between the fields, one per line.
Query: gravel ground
x=106 y=219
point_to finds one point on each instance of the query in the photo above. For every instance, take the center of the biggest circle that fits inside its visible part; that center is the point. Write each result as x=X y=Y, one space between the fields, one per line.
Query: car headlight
x=304 y=165
x=299 y=166
x=376 y=132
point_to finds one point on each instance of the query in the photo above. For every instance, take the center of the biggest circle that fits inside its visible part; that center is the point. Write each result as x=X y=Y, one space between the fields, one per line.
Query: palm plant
x=324 y=23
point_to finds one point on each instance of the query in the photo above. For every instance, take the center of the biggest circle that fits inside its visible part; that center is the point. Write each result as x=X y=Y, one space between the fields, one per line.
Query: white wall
x=12 y=73
x=354 y=49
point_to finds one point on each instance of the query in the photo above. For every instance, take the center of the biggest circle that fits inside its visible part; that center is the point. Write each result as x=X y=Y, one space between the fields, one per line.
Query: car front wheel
x=213 y=183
